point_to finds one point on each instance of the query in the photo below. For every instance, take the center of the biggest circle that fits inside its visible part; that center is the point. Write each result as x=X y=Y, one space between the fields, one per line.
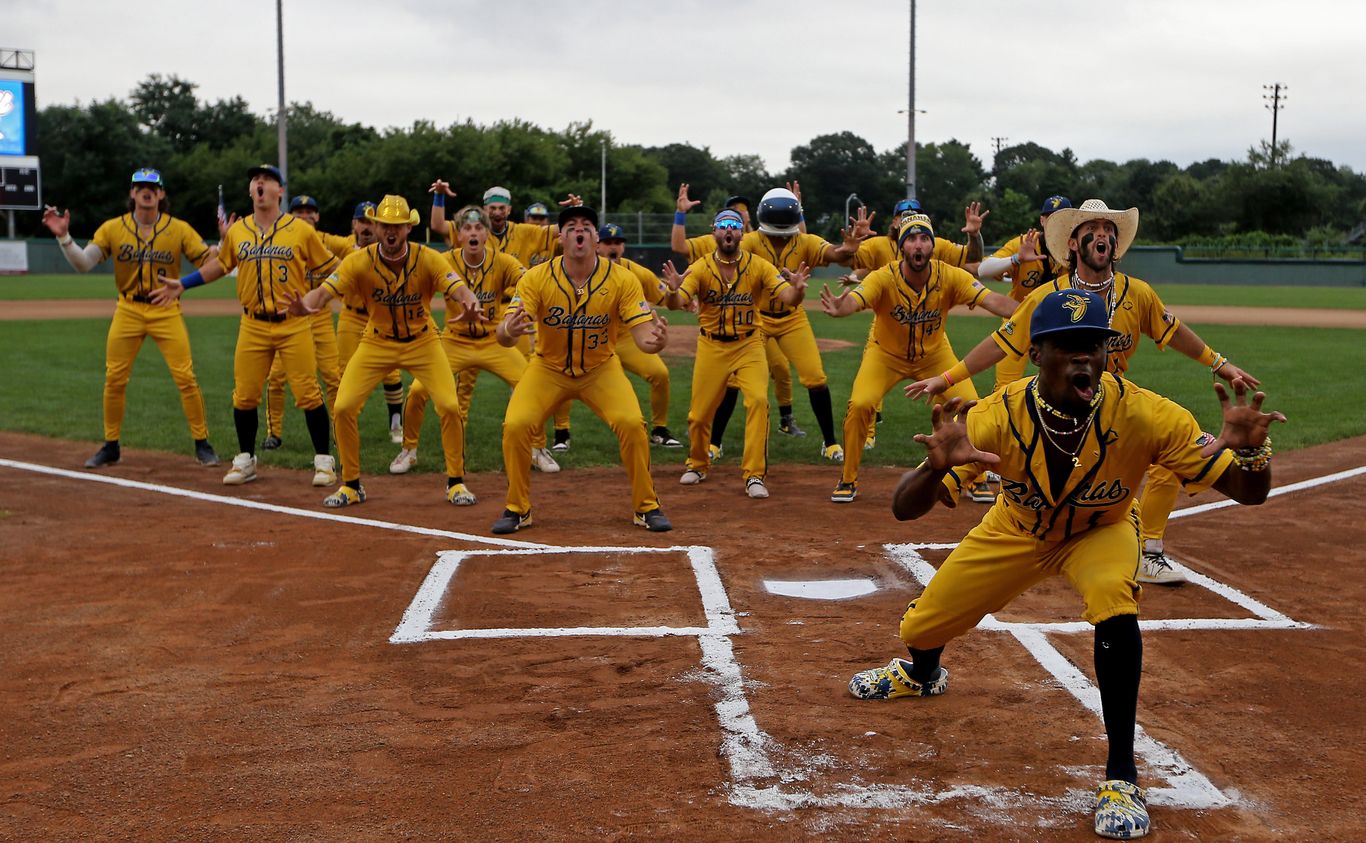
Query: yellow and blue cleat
x=894 y=680
x=1121 y=810
x=344 y=496
x=460 y=495
x=834 y=453
x=844 y=493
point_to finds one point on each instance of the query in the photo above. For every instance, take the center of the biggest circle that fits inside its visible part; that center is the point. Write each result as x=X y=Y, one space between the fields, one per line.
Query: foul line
x=263 y=507
x=1276 y=492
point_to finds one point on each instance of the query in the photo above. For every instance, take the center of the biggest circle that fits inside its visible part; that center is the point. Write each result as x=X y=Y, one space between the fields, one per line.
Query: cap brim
x=1073 y=329
x=578 y=212
x=262 y=171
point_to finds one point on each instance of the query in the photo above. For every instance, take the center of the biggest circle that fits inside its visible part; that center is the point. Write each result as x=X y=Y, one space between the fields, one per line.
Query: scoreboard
x=21 y=186
x=20 y=179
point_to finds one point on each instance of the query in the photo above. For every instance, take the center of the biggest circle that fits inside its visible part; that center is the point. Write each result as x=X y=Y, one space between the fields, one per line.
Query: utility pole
x=910 y=116
x=997 y=144
x=280 y=68
x=602 y=211
x=1275 y=101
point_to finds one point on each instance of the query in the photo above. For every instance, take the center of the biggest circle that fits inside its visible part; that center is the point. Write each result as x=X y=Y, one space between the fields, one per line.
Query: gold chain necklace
x=1084 y=427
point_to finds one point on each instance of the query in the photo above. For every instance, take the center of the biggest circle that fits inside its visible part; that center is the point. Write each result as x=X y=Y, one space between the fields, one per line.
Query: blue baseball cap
x=574 y=212
x=536 y=209
x=611 y=231
x=266 y=170
x=362 y=208
x=148 y=176
x=1054 y=203
x=303 y=200
x=1069 y=310
x=906 y=206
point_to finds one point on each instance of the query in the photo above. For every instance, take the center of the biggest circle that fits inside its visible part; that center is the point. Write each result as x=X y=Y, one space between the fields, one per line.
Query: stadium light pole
x=603 y=210
x=280 y=67
x=1275 y=101
x=910 y=117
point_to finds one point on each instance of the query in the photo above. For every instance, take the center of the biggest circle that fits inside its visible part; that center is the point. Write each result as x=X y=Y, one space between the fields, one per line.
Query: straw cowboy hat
x=392 y=210
x=1061 y=223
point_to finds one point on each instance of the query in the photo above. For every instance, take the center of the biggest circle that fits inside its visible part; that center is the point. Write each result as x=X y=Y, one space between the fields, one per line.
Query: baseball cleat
x=1156 y=569
x=654 y=521
x=460 y=495
x=542 y=461
x=204 y=453
x=396 y=429
x=993 y=477
x=271 y=442
x=324 y=470
x=871 y=441
x=662 y=436
x=1121 y=810
x=344 y=496
x=692 y=477
x=834 y=453
x=755 y=488
x=714 y=452
x=787 y=426
x=510 y=522
x=561 y=441
x=108 y=454
x=243 y=470
x=844 y=493
x=981 y=492
x=894 y=680
x=404 y=462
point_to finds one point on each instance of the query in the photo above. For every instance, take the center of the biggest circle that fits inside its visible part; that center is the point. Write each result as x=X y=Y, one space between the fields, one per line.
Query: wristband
x=957 y=374
x=194 y=279
x=67 y=242
x=1254 y=459
x=680 y=218
x=438 y=200
x=1219 y=363
x=1208 y=356
x=1015 y=259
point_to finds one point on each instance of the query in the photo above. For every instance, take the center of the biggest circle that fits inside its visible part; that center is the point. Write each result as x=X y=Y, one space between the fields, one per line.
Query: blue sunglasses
x=735 y=224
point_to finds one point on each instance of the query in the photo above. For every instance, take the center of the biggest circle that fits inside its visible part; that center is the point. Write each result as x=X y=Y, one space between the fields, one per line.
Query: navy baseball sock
x=784 y=410
x=723 y=414
x=246 y=422
x=825 y=414
x=925 y=663
x=318 y=428
x=1119 y=665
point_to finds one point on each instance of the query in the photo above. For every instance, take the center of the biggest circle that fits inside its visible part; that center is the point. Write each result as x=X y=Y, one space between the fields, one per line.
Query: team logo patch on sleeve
x=1204 y=439
x=1167 y=317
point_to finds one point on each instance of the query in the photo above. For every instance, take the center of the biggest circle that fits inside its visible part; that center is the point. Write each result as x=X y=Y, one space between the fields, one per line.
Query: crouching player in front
x=1071 y=446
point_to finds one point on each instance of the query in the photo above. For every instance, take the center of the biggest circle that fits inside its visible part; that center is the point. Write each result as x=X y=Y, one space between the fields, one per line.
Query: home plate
x=821 y=589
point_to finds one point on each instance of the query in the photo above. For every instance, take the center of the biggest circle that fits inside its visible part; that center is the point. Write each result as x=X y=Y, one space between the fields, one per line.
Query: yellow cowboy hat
x=1061 y=223
x=392 y=210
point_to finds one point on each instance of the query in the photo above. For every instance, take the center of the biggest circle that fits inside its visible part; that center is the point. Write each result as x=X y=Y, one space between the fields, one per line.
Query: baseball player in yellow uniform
x=398 y=279
x=274 y=254
x=1021 y=262
x=305 y=208
x=492 y=277
x=147 y=245
x=577 y=304
x=650 y=367
x=731 y=288
x=1092 y=239
x=1071 y=446
x=911 y=300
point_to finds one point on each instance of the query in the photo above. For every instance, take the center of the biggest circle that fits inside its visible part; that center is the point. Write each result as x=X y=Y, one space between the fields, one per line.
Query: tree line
x=88 y=152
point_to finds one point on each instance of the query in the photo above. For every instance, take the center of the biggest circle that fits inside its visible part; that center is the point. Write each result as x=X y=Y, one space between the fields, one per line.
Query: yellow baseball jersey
x=1030 y=274
x=337 y=244
x=140 y=264
x=400 y=300
x=910 y=324
x=529 y=243
x=1135 y=310
x=700 y=246
x=651 y=285
x=492 y=282
x=269 y=262
x=1133 y=429
x=576 y=329
x=787 y=253
x=729 y=310
x=877 y=252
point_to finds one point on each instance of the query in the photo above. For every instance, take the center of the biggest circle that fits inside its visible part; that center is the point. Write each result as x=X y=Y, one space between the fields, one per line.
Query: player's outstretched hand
x=795 y=188
x=1245 y=425
x=850 y=279
x=860 y=228
x=973 y=215
x=948 y=445
x=1029 y=246
x=685 y=204
x=573 y=200
x=517 y=322
x=58 y=224
x=927 y=389
x=442 y=187
x=295 y=304
x=672 y=277
x=797 y=277
x=225 y=224
x=831 y=303
x=167 y=293
x=1233 y=374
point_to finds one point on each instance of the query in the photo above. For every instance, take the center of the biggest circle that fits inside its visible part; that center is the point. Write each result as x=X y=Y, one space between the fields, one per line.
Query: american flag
x=222 y=212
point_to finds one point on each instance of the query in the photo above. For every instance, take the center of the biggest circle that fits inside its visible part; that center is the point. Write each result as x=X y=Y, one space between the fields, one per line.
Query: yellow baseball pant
x=607 y=393
x=779 y=369
x=650 y=368
x=258 y=344
x=465 y=357
x=329 y=366
x=465 y=386
x=1156 y=502
x=374 y=358
x=994 y=564
x=792 y=336
x=350 y=328
x=877 y=374
x=132 y=323
x=718 y=364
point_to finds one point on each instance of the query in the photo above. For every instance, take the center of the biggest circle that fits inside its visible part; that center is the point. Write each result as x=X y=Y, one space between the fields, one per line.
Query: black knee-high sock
x=723 y=414
x=925 y=663
x=825 y=415
x=1119 y=664
x=784 y=410
x=318 y=428
x=246 y=422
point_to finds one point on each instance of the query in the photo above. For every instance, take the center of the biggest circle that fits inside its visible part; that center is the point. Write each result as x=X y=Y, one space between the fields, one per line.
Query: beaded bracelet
x=1253 y=459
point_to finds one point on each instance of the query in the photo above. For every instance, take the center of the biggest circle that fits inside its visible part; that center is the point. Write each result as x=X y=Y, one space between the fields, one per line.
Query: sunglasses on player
x=722 y=225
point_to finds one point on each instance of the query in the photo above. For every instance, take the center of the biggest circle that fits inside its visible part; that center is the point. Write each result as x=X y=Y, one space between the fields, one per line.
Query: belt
x=416 y=336
x=773 y=314
x=140 y=299
x=362 y=311
x=721 y=338
x=265 y=317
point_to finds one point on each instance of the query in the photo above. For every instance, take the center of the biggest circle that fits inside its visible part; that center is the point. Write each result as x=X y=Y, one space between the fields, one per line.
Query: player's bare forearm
x=917 y=492
x=678 y=239
x=650 y=336
x=985 y=355
x=976 y=248
x=1187 y=342
x=1246 y=487
x=1002 y=306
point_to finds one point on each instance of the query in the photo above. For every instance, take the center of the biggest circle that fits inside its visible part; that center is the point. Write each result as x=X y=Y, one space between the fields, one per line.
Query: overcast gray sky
x=1174 y=79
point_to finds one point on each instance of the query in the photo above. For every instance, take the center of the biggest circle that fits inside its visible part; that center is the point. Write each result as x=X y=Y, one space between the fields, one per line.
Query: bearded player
x=147 y=245
x=1071 y=446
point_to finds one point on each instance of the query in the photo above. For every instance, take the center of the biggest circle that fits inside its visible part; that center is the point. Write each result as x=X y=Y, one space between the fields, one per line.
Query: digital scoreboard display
x=20 y=172
x=16 y=117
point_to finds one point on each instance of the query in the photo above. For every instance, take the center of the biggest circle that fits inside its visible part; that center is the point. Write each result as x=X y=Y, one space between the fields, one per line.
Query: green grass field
x=58 y=368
